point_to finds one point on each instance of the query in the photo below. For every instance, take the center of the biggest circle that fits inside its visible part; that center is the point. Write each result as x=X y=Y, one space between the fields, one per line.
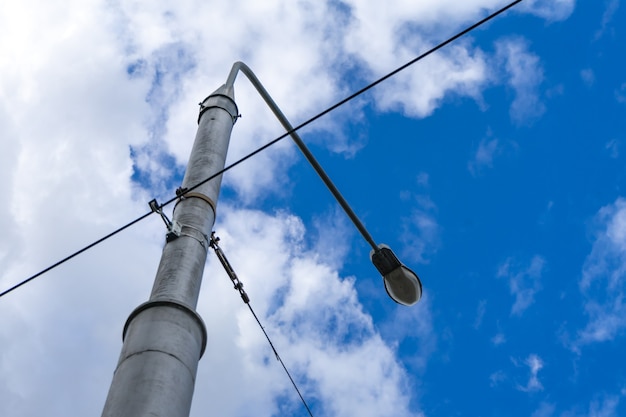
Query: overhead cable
x=273 y=142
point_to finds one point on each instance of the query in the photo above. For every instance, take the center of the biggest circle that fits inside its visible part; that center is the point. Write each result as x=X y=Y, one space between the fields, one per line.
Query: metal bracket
x=173 y=228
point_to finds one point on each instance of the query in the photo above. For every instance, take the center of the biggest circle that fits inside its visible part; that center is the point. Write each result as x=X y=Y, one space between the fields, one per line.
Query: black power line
x=267 y=145
x=73 y=255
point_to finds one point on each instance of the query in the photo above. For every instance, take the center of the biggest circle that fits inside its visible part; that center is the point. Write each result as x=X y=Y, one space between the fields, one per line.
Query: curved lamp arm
x=402 y=284
x=240 y=66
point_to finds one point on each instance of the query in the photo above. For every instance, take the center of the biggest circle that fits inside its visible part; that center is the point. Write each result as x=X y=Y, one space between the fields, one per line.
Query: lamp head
x=402 y=284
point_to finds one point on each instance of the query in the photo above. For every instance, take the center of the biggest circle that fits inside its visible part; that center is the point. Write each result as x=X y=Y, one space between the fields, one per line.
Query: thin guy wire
x=238 y=285
x=280 y=360
x=267 y=145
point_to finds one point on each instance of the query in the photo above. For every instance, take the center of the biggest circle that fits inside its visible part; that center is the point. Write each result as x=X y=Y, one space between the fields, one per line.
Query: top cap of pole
x=223 y=98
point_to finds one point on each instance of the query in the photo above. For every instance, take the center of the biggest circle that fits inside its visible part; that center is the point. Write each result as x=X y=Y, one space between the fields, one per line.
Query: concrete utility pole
x=165 y=337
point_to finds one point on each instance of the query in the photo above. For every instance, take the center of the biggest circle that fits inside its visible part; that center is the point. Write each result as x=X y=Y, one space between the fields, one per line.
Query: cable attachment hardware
x=180 y=191
x=173 y=228
x=229 y=269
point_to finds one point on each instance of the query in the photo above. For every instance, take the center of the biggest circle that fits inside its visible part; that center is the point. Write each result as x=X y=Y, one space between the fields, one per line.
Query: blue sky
x=494 y=168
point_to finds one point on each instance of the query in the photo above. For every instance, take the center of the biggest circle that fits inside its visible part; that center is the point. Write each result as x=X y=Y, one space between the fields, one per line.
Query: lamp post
x=165 y=337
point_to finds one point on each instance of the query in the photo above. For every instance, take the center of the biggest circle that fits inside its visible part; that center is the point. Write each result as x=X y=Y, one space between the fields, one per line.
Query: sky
x=495 y=169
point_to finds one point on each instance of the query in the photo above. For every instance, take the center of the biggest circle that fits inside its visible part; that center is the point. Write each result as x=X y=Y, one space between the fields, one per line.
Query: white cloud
x=420 y=91
x=333 y=226
x=386 y=36
x=605 y=408
x=381 y=30
x=423 y=179
x=61 y=334
x=497 y=378
x=525 y=75
x=421 y=233
x=620 y=93
x=483 y=158
x=613 y=147
x=602 y=405
x=498 y=339
x=607 y=17
x=603 y=280
x=588 y=76
x=535 y=364
x=551 y=10
x=272 y=46
x=544 y=410
x=480 y=313
x=415 y=328
x=314 y=318
x=524 y=281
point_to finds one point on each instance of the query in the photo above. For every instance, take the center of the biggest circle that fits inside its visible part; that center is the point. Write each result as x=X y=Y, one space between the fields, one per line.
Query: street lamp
x=165 y=337
x=402 y=284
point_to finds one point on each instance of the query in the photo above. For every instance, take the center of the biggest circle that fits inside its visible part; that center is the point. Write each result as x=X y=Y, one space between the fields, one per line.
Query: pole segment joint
x=172 y=304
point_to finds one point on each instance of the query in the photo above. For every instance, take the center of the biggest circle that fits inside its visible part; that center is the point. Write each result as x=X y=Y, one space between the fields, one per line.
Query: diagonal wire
x=281 y=361
x=267 y=145
x=238 y=285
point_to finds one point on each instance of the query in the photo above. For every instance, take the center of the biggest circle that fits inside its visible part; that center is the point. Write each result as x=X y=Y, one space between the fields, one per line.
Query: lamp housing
x=402 y=284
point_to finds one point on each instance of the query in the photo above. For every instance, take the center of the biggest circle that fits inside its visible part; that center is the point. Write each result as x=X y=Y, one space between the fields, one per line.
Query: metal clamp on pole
x=173 y=228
